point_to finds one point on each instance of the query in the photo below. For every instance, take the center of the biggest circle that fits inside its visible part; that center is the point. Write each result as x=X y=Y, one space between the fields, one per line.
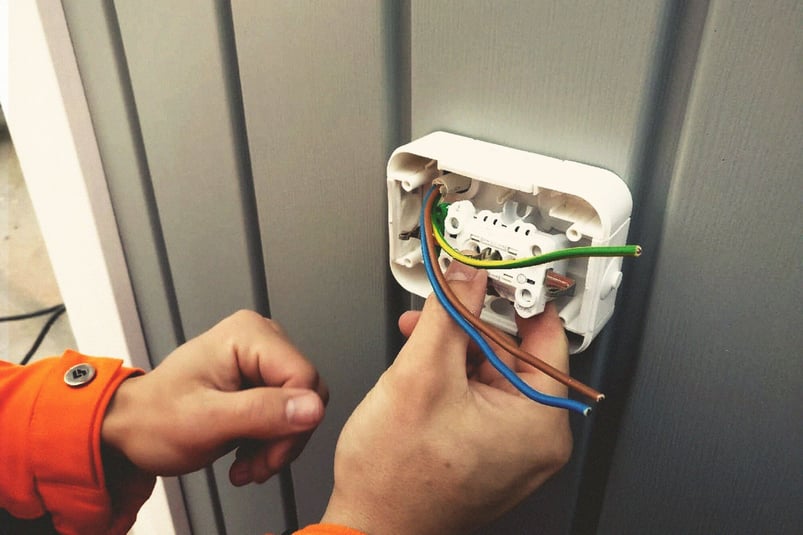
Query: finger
x=259 y=461
x=267 y=461
x=507 y=358
x=323 y=391
x=252 y=462
x=437 y=340
x=474 y=356
x=544 y=337
x=264 y=354
x=241 y=471
x=408 y=321
x=265 y=413
x=487 y=372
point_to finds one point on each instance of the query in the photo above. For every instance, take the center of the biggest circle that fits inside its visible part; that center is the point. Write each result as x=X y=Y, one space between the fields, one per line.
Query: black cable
x=59 y=310
x=32 y=314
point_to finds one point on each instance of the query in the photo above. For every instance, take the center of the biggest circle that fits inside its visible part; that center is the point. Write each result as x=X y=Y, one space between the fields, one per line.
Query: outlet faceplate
x=519 y=204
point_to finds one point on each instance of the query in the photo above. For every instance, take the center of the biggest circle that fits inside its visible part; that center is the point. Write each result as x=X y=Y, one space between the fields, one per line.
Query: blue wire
x=510 y=375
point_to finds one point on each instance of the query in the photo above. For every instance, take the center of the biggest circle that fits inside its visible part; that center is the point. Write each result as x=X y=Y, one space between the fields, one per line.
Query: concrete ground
x=26 y=276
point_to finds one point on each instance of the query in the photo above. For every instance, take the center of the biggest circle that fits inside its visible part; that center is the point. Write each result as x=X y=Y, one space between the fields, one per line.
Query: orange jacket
x=51 y=459
x=50 y=448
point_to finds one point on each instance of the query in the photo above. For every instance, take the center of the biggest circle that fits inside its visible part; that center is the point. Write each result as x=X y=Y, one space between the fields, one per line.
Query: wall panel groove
x=316 y=89
x=617 y=361
x=397 y=49
x=706 y=443
x=540 y=76
x=181 y=75
x=95 y=34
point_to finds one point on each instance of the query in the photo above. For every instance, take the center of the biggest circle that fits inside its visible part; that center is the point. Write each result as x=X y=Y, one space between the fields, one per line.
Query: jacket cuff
x=66 y=456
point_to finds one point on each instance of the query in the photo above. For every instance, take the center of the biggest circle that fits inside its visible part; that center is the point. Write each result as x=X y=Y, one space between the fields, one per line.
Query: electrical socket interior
x=517 y=204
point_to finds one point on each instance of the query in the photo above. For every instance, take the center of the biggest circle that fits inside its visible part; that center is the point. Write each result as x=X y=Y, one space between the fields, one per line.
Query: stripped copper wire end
x=558 y=285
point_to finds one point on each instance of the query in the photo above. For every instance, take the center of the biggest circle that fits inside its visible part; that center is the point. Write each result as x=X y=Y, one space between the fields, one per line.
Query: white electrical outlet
x=519 y=204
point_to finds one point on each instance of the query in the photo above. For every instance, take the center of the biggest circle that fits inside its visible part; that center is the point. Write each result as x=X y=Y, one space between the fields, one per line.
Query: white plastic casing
x=519 y=203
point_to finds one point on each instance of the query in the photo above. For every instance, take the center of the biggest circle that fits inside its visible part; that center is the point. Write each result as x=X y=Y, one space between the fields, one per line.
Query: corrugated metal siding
x=245 y=146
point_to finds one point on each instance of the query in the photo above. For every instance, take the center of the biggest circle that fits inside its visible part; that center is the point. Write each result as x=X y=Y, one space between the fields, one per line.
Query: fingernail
x=240 y=474
x=460 y=272
x=304 y=409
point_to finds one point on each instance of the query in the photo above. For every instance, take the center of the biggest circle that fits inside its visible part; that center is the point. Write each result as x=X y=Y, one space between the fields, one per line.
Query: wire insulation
x=58 y=311
x=561 y=254
x=34 y=314
x=427 y=247
x=498 y=336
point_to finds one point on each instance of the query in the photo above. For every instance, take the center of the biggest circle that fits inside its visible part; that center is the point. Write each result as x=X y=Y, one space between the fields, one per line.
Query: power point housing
x=517 y=204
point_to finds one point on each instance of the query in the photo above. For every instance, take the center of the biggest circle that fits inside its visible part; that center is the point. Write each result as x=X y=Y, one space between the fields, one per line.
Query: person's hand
x=241 y=384
x=443 y=443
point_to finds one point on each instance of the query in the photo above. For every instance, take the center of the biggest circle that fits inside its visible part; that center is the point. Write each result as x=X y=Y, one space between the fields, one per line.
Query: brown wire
x=490 y=332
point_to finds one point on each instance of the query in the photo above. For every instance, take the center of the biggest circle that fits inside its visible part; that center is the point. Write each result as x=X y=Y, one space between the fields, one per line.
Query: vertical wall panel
x=177 y=61
x=104 y=74
x=621 y=342
x=96 y=40
x=567 y=79
x=177 y=73
x=712 y=439
x=318 y=112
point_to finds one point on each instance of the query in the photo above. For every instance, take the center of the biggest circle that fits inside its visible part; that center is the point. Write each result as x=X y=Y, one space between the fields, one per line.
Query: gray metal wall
x=245 y=144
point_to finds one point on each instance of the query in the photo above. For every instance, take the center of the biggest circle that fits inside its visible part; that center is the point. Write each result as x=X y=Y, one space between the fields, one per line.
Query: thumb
x=436 y=334
x=267 y=412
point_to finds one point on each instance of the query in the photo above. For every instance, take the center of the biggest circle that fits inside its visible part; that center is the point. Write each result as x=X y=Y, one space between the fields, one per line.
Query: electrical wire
x=54 y=312
x=426 y=247
x=498 y=336
x=34 y=314
x=42 y=333
x=561 y=254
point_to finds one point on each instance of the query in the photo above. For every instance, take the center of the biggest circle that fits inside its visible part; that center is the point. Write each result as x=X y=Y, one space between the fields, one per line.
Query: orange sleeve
x=50 y=448
x=328 y=529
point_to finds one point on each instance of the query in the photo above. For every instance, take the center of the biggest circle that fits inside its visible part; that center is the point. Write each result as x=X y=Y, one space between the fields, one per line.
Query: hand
x=443 y=444
x=241 y=384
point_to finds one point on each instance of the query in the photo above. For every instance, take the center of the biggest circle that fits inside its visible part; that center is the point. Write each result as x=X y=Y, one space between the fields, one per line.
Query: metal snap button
x=79 y=375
